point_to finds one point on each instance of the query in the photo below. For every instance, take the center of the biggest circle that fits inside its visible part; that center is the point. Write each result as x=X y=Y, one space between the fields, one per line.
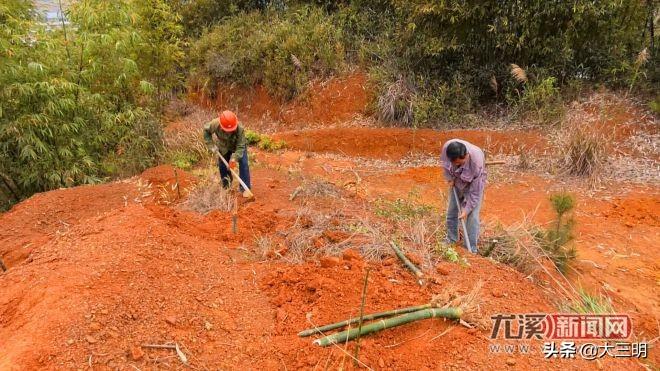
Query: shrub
x=263 y=141
x=401 y=209
x=183 y=160
x=654 y=105
x=282 y=51
x=538 y=100
x=449 y=253
x=184 y=145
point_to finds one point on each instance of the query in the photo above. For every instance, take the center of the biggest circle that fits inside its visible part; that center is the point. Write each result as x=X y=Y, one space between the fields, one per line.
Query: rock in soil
x=350 y=254
x=136 y=353
x=171 y=320
x=329 y=261
x=443 y=270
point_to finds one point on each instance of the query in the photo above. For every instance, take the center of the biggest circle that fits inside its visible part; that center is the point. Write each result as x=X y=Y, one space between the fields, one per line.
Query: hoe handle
x=236 y=176
x=465 y=234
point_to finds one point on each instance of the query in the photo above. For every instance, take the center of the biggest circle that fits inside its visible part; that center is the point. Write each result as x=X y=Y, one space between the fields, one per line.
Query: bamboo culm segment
x=368 y=317
x=406 y=261
x=340 y=337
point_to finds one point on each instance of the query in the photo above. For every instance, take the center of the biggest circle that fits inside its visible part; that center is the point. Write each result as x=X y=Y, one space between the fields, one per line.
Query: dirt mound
x=642 y=210
x=125 y=273
x=166 y=184
x=51 y=214
x=165 y=175
x=309 y=295
x=394 y=143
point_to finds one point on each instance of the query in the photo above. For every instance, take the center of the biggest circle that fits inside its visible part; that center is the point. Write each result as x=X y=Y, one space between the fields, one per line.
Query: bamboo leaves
x=70 y=103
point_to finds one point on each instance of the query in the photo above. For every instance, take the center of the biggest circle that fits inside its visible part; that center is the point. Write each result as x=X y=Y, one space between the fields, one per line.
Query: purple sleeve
x=473 y=194
x=445 y=163
x=476 y=188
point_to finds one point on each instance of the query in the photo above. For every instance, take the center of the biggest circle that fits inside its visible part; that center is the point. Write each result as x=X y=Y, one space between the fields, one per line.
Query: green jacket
x=226 y=142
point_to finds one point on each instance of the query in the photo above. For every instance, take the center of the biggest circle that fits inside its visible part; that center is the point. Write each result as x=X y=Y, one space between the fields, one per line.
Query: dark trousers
x=243 y=170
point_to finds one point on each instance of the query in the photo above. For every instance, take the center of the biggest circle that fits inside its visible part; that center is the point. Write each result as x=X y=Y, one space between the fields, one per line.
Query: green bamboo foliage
x=341 y=337
x=78 y=103
x=368 y=317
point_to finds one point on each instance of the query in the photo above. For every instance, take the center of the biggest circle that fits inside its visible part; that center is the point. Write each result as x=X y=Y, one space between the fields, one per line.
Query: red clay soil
x=332 y=101
x=128 y=272
x=394 y=143
x=616 y=229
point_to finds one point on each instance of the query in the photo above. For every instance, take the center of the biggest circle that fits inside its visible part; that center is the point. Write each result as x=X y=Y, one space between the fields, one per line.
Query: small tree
x=555 y=240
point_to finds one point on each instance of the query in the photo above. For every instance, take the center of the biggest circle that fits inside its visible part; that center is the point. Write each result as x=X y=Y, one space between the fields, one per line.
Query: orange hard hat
x=228 y=121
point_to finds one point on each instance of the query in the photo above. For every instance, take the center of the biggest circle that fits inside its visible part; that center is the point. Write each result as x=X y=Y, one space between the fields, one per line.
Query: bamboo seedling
x=340 y=337
x=367 y=317
x=418 y=273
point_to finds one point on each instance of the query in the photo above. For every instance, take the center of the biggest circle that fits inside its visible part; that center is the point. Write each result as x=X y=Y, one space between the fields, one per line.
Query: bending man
x=465 y=171
x=231 y=145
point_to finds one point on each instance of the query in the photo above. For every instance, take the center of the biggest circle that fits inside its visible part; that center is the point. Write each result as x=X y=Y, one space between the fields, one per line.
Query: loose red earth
x=96 y=271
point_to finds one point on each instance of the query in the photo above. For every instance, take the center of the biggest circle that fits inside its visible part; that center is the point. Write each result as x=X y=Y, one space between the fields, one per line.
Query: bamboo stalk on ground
x=340 y=337
x=418 y=273
x=368 y=317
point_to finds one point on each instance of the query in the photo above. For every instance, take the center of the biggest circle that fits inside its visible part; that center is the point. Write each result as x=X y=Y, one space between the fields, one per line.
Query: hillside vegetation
x=82 y=102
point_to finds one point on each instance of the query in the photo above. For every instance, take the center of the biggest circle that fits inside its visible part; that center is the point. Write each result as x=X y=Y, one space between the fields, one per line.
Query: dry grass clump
x=305 y=238
x=209 y=196
x=317 y=232
x=584 y=152
x=184 y=142
x=319 y=188
x=395 y=103
x=468 y=303
x=518 y=73
x=264 y=245
x=515 y=246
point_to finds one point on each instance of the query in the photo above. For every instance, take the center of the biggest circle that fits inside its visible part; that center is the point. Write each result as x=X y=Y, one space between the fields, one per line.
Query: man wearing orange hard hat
x=231 y=145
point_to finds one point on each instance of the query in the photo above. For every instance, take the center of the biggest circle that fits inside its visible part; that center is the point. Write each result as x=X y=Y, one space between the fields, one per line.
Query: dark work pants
x=243 y=170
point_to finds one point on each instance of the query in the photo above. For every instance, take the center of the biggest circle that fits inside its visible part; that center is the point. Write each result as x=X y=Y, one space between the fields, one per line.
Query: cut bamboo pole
x=496 y=162
x=340 y=337
x=418 y=273
x=368 y=317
